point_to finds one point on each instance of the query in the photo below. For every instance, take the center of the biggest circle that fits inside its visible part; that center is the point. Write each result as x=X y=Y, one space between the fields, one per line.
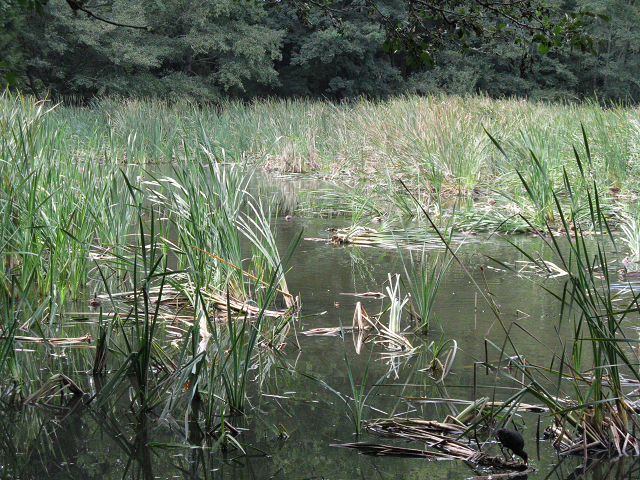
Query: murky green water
x=89 y=442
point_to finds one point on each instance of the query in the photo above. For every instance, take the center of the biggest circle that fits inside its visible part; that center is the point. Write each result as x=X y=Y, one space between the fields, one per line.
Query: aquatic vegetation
x=630 y=230
x=362 y=393
x=424 y=275
x=601 y=414
x=436 y=143
x=396 y=304
x=71 y=231
x=235 y=345
x=176 y=275
x=438 y=368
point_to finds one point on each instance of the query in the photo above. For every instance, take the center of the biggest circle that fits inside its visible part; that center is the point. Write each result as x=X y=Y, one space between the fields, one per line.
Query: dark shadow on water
x=573 y=468
x=87 y=442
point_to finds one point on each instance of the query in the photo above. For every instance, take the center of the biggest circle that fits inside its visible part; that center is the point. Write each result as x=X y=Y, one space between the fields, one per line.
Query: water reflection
x=103 y=442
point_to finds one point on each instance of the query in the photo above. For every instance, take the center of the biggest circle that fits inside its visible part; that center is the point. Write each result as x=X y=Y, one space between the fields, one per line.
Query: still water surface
x=90 y=442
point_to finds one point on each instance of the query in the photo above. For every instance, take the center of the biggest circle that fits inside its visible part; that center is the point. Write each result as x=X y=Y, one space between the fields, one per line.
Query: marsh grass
x=396 y=303
x=435 y=144
x=143 y=358
x=424 y=273
x=78 y=222
x=225 y=365
x=630 y=234
x=362 y=393
x=602 y=414
x=437 y=140
x=214 y=359
x=205 y=201
x=70 y=212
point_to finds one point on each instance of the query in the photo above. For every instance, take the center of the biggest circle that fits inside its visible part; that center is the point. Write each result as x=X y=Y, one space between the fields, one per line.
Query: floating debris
x=55 y=386
x=366 y=294
x=444 y=437
x=389 y=450
x=322 y=332
x=365 y=236
x=58 y=341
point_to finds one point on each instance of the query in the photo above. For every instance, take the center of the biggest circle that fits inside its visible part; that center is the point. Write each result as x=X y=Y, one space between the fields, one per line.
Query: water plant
x=396 y=304
x=362 y=393
x=601 y=414
x=235 y=346
x=437 y=367
x=630 y=229
x=149 y=272
x=87 y=225
x=424 y=275
x=436 y=143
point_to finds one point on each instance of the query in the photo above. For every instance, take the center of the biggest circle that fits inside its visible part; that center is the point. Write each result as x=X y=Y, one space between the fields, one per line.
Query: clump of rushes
x=435 y=142
x=600 y=413
x=630 y=230
x=143 y=357
x=423 y=278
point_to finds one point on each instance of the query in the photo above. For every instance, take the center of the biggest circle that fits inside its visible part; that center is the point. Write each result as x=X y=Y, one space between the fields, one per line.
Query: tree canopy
x=339 y=49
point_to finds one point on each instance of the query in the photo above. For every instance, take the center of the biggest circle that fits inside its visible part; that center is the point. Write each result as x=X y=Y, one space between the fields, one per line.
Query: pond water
x=93 y=442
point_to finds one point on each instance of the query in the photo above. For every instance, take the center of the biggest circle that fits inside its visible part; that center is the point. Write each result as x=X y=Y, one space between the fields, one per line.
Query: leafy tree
x=497 y=47
x=336 y=60
x=429 y=25
x=615 y=72
x=187 y=48
x=338 y=49
x=12 y=14
x=498 y=67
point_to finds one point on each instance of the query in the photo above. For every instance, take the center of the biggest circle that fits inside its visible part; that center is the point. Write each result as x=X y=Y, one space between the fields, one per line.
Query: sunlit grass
x=437 y=145
x=437 y=139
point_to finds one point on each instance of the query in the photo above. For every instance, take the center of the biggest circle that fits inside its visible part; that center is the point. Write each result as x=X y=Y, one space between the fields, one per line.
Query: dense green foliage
x=243 y=49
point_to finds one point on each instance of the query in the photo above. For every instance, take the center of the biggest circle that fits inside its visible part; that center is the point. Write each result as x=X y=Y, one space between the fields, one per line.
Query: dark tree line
x=347 y=48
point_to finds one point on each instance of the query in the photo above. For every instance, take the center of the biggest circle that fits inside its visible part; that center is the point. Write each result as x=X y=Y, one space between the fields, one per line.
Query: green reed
x=73 y=216
x=235 y=341
x=593 y=307
x=423 y=275
x=437 y=138
x=436 y=144
x=140 y=325
x=205 y=201
x=362 y=391
x=630 y=234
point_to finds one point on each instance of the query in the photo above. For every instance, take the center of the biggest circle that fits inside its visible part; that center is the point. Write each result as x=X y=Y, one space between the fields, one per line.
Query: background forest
x=244 y=49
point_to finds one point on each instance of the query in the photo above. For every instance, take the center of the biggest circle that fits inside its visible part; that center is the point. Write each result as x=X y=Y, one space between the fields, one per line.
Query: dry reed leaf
x=366 y=294
x=330 y=331
x=360 y=317
x=390 y=450
x=55 y=386
x=220 y=303
x=56 y=341
x=426 y=431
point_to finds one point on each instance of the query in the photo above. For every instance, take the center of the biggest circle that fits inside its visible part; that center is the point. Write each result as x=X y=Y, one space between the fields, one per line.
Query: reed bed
x=81 y=219
x=600 y=366
x=156 y=257
x=439 y=140
x=437 y=145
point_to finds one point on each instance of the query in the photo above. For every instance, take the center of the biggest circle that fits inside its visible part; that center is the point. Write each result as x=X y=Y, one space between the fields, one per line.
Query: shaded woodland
x=241 y=49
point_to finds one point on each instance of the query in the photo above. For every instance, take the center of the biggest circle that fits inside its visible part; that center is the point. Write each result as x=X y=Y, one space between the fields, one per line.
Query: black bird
x=513 y=441
x=95 y=301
